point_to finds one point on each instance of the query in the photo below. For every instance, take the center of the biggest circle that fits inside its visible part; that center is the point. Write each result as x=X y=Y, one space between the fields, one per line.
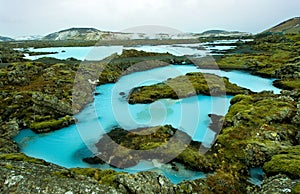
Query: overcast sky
x=41 y=17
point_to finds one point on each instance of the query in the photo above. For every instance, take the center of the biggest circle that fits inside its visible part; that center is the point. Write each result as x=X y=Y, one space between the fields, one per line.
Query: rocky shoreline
x=260 y=130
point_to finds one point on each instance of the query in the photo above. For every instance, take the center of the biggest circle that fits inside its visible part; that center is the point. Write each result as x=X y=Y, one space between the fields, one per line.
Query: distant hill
x=86 y=34
x=215 y=32
x=2 y=39
x=95 y=34
x=291 y=26
x=218 y=33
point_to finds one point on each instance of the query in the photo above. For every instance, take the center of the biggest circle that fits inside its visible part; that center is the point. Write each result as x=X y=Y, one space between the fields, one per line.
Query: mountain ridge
x=95 y=34
x=224 y=33
x=4 y=38
x=290 y=26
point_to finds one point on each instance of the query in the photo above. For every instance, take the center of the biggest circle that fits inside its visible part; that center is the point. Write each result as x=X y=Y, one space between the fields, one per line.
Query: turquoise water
x=80 y=53
x=256 y=175
x=101 y=52
x=67 y=147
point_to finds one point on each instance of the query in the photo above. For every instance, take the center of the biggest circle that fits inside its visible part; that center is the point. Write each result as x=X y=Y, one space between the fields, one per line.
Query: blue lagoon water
x=67 y=147
x=101 y=52
x=80 y=53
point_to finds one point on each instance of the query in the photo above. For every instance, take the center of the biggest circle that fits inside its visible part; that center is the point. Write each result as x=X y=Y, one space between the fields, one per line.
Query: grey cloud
x=19 y=17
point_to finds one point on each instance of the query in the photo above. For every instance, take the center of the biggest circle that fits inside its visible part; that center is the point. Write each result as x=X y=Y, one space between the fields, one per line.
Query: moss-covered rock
x=185 y=86
x=31 y=91
x=10 y=55
x=21 y=157
x=144 y=182
x=195 y=186
x=193 y=159
x=287 y=162
x=133 y=61
x=287 y=84
x=276 y=184
x=124 y=149
x=296 y=189
x=224 y=181
x=256 y=128
x=106 y=177
x=23 y=174
x=51 y=125
x=270 y=55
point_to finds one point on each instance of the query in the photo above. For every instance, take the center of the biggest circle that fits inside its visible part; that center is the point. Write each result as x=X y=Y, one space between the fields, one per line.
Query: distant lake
x=101 y=52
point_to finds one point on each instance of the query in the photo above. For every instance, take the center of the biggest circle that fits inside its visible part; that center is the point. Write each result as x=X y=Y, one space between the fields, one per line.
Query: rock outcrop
x=22 y=174
x=278 y=184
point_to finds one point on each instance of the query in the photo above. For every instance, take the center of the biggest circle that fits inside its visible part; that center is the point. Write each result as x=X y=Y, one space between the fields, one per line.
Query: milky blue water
x=67 y=147
x=80 y=53
x=101 y=52
x=256 y=175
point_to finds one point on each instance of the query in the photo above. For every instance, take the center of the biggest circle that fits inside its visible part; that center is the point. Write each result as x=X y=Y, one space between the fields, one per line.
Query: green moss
x=288 y=84
x=287 y=163
x=9 y=55
x=105 y=177
x=159 y=143
x=40 y=118
x=85 y=171
x=8 y=166
x=260 y=111
x=21 y=157
x=224 y=181
x=196 y=186
x=296 y=189
x=150 y=145
x=194 y=160
x=284 y=163
x=241 y=97
x=63 y=174
x=52 y=124
x=185 y=86
x=264 y=56
x=256 y=128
